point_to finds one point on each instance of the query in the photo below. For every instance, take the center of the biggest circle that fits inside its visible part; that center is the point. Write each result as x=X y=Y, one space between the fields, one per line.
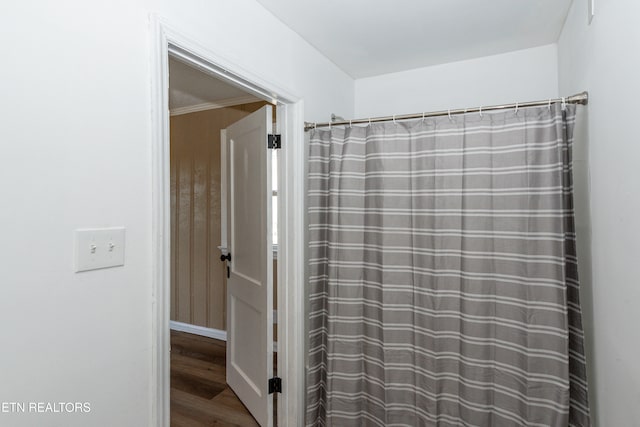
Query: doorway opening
x=202 y=107
x=290 y=207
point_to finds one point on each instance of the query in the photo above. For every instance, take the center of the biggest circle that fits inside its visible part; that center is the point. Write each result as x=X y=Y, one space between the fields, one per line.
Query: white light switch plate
x=99 y=248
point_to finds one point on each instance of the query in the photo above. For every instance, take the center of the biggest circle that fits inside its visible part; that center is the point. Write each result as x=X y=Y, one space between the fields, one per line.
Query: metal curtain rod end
x=581 y=98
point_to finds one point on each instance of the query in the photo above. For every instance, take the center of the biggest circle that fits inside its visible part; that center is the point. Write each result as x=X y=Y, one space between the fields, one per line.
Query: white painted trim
x=229 y=102
x=198 y=330
x=291 y=201
x=160 y=222
x=291 y=252
x=197 y=56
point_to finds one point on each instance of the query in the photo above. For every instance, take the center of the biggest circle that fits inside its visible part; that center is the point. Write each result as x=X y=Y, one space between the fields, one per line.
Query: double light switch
x=99 y=248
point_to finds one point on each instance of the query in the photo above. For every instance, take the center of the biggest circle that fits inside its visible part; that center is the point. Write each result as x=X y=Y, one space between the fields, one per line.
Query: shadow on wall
x=582 y=207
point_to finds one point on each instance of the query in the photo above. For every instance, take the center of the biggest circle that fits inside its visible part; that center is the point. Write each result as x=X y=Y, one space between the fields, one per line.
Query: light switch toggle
x=99 y=248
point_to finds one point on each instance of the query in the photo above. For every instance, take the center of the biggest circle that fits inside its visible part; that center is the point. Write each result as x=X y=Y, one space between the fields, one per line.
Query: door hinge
x=275 y=385
x=274 y=141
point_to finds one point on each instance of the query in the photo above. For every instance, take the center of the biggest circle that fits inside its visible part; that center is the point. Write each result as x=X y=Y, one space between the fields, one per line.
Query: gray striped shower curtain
x=443 y=280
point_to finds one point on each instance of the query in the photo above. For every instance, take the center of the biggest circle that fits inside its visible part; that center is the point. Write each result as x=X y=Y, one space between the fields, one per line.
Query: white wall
x=603 y=59
x=245 y=33
x=76 y=152
x=524 y=75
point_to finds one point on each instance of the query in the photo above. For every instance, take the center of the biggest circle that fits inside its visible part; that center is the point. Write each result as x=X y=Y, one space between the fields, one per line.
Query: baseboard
x=205 y=332
x=198 y=330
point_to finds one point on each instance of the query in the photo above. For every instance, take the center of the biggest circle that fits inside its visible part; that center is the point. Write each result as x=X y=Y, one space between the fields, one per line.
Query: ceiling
x=190 y=87
x=371 y=37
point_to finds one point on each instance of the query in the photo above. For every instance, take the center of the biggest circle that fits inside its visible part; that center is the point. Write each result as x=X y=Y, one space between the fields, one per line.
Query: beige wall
x=198 y=277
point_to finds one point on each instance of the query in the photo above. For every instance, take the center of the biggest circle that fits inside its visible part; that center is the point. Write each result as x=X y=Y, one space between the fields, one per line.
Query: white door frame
x=290 y=323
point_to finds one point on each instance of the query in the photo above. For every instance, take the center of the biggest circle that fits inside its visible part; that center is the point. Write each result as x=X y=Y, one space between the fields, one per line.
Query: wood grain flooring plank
x=201 y=348
x=195 y=385
x=200 y=396
x=198 y=368
x=229 y=399
x=220 y=411
x=185 y=417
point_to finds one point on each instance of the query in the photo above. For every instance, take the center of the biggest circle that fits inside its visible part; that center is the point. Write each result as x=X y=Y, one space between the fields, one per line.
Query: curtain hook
x=516 y=112
x=564 y=103
x=423 y=117
x=480 y=112
x=549 y=106
x=394 y=120
x=449 y=114
x=349 y=124
x=315 y=125
x=369 y=121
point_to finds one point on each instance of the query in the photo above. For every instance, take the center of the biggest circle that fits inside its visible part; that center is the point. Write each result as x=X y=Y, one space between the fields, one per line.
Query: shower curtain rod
x=581 y=98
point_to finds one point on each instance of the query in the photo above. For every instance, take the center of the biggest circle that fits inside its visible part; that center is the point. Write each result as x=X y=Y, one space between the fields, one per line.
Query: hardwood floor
x=199 y=394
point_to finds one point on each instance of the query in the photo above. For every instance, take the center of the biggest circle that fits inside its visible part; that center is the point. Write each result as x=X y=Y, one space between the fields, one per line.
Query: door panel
x=248 y=166
x=250 y=285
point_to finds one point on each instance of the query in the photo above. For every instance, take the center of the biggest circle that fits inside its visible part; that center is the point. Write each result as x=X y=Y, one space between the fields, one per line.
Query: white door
x=250 y=282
